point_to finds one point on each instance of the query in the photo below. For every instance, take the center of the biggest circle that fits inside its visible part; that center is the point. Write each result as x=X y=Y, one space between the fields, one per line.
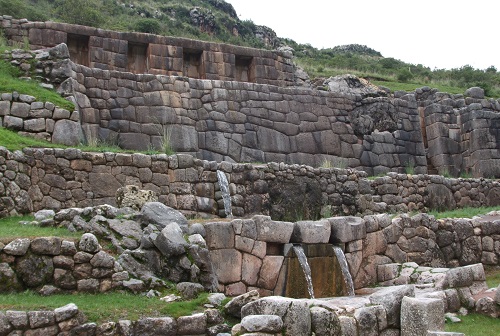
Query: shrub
x=85 y=13
x=151 y=26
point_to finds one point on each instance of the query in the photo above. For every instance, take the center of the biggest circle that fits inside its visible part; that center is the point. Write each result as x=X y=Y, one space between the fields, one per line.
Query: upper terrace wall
x=154 y=54
x=250 y=122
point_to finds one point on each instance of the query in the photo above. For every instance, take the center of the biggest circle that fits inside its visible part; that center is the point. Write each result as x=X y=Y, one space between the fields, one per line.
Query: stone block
x=418 y=315
x=192 y=325
x=227 y=265
x=346 y=229
x=262 y=324
x=273 y=231
x=391 y=298
x=271 y=266
x=311 y=232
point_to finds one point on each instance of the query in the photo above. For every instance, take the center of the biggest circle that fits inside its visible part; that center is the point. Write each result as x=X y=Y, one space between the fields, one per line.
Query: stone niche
x=244 y=69
x=78 y=46
x=193 y=64
x=137 y=58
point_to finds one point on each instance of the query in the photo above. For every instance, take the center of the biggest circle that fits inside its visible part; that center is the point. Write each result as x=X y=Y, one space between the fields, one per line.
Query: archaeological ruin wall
x=153 y=54
x=230 y=118
x=37 y=178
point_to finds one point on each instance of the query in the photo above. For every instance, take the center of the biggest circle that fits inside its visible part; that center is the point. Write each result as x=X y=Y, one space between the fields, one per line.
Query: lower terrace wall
x=45 y=178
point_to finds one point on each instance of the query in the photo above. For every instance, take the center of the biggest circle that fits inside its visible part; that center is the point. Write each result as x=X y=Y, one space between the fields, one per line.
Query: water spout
x=226 y=196
x=345 y=270
x=301 y=256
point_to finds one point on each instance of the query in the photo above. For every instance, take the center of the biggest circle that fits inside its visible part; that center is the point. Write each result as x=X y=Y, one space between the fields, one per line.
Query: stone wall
x=423 y=131
x=147 y=53
x=35 y=179
x=52 y=265
x=249 y=254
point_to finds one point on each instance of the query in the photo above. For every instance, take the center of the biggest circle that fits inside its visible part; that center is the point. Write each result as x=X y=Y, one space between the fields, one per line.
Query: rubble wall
x=48 y=178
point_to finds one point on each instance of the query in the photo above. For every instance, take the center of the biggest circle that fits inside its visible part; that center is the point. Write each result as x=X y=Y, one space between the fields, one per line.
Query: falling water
x=299 y=252
x=345 y=270
x=226 y=196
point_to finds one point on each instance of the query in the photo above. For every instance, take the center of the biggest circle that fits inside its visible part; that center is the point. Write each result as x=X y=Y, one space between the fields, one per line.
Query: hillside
x=217 y=21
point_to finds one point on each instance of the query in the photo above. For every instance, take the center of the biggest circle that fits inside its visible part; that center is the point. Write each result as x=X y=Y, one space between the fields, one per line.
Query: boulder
x=89 y=243
x=150 y=326
x=17 y=247
x=35 y=270
x=189 y=290
x=170 y=241
x=262 y=323
x=133 y=197
x=346 y=229
x=160 y=215
x=8 y=279
x=234 y=306
x=418 y=315
x=353 y=85
x=325 y=322
x=391 y=298
x=195 y=324
x=475 y=92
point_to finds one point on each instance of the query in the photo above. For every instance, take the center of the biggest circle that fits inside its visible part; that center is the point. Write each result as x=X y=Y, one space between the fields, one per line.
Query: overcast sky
x=436 y=33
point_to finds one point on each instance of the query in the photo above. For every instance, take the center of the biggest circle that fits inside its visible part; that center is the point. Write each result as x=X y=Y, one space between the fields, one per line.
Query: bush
x=150 y=26
x=404 y=75
x=85 y=13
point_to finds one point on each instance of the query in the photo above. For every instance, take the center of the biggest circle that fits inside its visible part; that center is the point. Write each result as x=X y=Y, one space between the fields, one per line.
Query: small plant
x=446 y=173
x=466 y=175
x=166 y=144
x=410 y=168
x=326 y=164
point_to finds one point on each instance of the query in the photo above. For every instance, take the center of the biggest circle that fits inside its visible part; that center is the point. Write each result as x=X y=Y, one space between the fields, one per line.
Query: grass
x=398 y=86
x=13 y=141
x=466 y=212
x=492 y=275
x=10 y=228
x=9 y=82
x=101 y=308
x=475 y=325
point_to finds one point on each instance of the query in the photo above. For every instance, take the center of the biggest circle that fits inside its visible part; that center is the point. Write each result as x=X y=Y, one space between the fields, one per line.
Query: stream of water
x=226 y=196
x=345 y=270
x=299 y=252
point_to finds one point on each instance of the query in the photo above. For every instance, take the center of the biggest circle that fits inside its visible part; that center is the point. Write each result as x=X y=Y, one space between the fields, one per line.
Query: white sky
x=436 y=33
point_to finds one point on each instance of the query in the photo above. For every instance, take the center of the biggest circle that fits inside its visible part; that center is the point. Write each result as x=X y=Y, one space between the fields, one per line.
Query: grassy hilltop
x=217 y=21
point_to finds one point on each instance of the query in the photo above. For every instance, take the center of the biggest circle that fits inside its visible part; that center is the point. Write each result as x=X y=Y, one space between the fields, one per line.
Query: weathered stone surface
x=18 y=319
x=325 y=322
x=17 y=247
x=273 y=231
x=34 y=270
x=48 y=245
x=234 y=306
x=262 y=323
x=271 y=266
x=192 y=325
x=348 y=326
x=89 y=243
x=156 y=326
x=345 y=229
x=271 y=305
x=132 y=196
x=227 y=265
x=189 y=290
x=170 y=242
x=160 y=215
x=40 y=319
x=418 y=315
x=391 y=298
x=65 y=312
x=311 y=232
x=67 y=132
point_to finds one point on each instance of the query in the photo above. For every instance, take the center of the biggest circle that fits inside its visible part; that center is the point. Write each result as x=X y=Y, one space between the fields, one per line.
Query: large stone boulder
x=418 y=315
x=475 y=92
x=160 y=215
x=353 y=85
